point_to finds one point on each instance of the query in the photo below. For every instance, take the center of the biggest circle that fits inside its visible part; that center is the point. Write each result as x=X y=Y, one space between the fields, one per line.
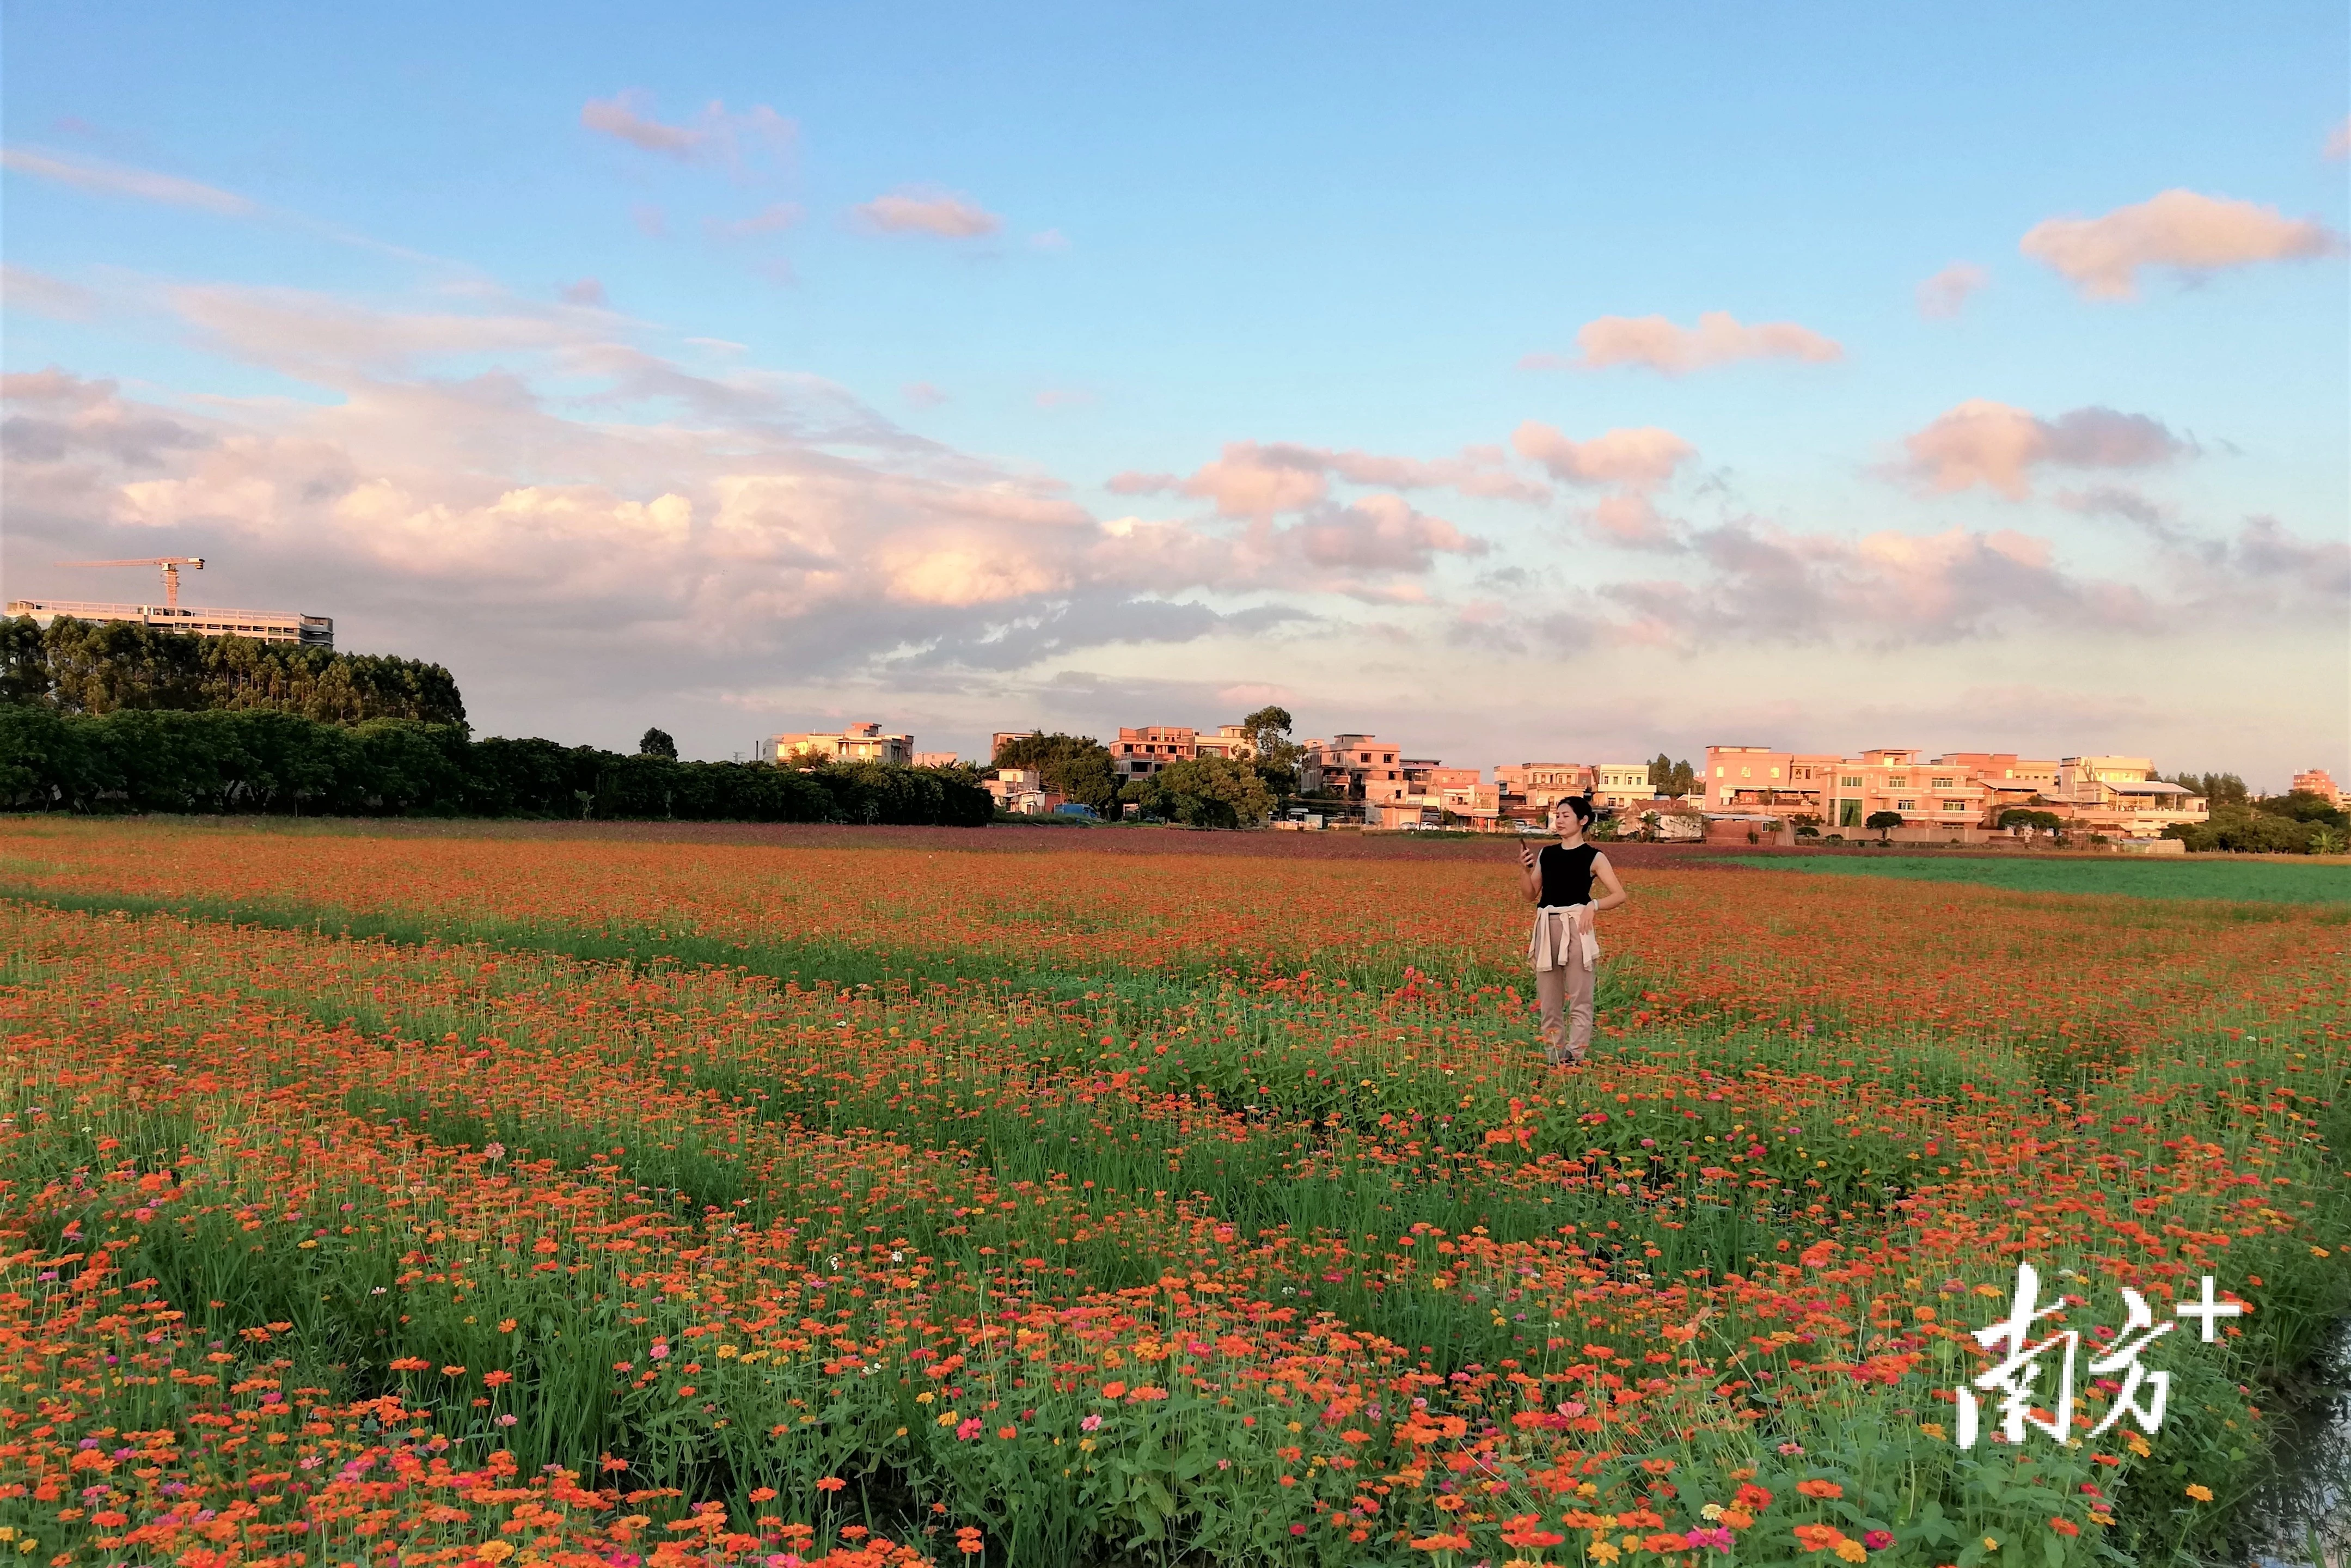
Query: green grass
x=2228 y=879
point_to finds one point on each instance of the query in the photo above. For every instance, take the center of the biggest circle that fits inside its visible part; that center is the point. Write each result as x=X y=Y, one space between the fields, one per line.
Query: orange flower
x=831 y=1483
x=1820 y=1489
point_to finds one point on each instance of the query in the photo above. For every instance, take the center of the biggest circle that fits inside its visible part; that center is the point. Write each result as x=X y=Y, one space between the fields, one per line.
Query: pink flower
x=1090 y=1423
x=660 y=1351
x=1719 y=1538
x=967 y=1429
x=1878 y=1539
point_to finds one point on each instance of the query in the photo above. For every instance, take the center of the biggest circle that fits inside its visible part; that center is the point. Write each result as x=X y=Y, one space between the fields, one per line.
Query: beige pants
x=1563 y=963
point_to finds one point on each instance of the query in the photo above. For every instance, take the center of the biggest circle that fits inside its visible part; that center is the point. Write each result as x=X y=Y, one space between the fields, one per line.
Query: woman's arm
x=1615 y=894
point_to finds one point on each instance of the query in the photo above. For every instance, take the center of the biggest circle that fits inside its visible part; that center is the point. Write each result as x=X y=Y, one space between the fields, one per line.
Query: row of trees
x=1667 y=777
x=259 y=761
x=2299 y=823
x=114 y=666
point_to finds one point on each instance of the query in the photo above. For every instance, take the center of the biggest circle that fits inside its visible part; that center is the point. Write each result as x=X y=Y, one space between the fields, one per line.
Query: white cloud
x=119 y=180
x=1947 y=293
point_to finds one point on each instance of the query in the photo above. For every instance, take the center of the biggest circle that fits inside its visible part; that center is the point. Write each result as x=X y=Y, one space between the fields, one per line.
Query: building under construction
x=263 y=625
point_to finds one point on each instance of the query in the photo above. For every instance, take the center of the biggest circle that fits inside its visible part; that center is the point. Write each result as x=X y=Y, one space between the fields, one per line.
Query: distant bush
x=258 y=762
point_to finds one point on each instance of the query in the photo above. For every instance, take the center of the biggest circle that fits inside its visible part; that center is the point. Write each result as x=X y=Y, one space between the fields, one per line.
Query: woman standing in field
x=1565 y=948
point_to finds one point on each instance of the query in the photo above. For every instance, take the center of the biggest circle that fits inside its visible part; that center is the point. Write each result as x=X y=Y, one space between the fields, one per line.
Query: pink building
x=2315 y=781
x=1542 y=785
x=1140 y=753
x=1353 y=768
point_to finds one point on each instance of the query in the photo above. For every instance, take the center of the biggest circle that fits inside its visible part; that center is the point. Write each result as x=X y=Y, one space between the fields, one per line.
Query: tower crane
x=170 y=563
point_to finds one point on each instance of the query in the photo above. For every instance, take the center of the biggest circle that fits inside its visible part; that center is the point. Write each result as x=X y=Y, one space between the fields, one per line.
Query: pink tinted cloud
x=1989 y=444
x=922 y=210
x=1633 y=522
x=1639 y=458
x=588 y=291
x=1659 y=344
x=2338 y=141
x=2184 y=230
x=1253 y=479
x=1382 y=534
x=1947 y=293
x=22 y=288
x=774 y=218
x=715 y=136
x=119 y=180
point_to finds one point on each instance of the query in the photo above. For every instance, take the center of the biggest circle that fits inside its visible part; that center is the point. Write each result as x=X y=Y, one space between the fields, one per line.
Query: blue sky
x=788 y=455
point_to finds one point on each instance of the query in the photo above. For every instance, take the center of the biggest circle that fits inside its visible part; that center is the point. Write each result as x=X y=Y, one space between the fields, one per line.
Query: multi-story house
x=854 y=743
x=1140 y=753
x=1353 y=767
x=2122 y=795
x=1623 y=786
x=1740 y=779
x=1538 y=786
x=1231 y=741
x=2319 y=782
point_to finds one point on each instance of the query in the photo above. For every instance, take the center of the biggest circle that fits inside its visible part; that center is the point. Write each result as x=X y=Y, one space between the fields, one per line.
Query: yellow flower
x=924 y=1398
x=493 y=1550
x=1932 y=1428
x=1600 y=1551
x=2136 y=1444
x=1992 y=1544
x=2199 y=1491
x=1852 y=1550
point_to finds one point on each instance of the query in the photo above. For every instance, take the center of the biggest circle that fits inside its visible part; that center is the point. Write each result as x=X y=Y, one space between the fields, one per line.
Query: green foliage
x=1204 y=792
x=657 y=743
x=1670 y=777
x=109 y=666
x=2302 y=806
x=138 y=760
x=1880 y=821
x=2244 y=830
x=2217 y=788
x=1074 y=766
x=1277 y=755
x=2027 y=817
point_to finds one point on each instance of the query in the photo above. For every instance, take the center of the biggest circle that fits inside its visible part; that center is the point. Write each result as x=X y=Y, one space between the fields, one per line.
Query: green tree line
x=114 y=666
x=259 y=761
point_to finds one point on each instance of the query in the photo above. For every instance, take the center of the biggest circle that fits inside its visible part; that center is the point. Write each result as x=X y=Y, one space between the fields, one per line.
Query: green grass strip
x=2218 y=879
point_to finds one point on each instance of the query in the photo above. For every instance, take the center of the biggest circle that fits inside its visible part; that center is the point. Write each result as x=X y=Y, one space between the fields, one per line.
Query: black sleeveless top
x=1566 y=874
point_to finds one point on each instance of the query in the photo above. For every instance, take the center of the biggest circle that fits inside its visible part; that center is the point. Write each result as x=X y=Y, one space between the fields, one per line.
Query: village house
x=1360 y=767
x=854 y=743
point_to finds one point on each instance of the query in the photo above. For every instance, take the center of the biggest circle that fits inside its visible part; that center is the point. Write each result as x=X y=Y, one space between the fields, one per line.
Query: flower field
x=399 y=1201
